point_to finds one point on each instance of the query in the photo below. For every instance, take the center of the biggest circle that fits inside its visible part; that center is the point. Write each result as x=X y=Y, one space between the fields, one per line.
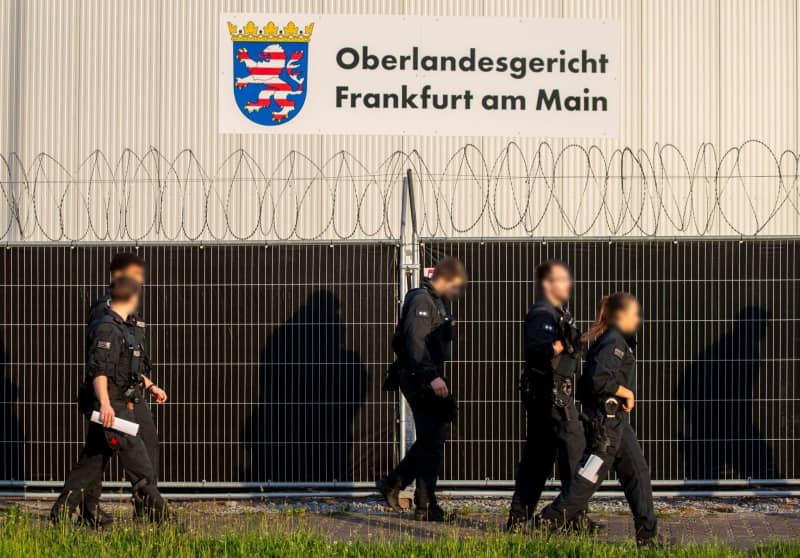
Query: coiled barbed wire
x=575 y=190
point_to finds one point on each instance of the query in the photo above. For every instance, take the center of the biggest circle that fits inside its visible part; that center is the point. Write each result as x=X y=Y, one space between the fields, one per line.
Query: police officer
x=422 y=343
x=113 y=387
x=606 y=392
x=127 y=264
x=554 y=430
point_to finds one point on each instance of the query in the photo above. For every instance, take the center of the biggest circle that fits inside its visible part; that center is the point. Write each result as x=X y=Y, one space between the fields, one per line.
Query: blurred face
x=449 y=288
x=628 y=319
x=559 y=285
x=134 y=272
x=127 y=306
x=133 y=304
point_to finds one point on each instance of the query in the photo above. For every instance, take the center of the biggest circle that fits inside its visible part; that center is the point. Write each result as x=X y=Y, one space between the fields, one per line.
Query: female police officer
x=606 y=391
x=112 y=387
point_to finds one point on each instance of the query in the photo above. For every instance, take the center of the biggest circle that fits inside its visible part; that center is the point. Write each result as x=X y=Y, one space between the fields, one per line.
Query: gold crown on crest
x=271 y=32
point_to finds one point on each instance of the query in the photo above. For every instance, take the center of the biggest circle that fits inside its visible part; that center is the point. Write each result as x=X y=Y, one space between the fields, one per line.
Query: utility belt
x=534 y=383
x=131 y=394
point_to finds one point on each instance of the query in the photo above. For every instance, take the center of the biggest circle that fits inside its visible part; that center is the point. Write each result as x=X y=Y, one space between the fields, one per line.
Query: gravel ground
x=466 y=505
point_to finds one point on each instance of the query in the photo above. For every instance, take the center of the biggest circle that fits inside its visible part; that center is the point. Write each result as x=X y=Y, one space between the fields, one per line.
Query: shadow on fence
x=722 y=438
x=312 y=388
x=12 y=442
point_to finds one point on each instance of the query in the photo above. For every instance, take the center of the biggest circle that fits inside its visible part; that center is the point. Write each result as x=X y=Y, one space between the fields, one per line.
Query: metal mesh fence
x=273 y=358
x=717 y=357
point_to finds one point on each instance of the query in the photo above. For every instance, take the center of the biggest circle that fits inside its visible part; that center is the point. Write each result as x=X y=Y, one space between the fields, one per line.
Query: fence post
x=409 y=279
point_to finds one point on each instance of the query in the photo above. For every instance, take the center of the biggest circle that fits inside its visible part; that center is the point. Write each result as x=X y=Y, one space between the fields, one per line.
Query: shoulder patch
x=619 y=353
x=140 y=324
x=106 y=345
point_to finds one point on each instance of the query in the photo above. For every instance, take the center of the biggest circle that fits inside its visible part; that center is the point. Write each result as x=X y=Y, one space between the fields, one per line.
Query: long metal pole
x=408 y=274
x=402 y=291
x=411 y=272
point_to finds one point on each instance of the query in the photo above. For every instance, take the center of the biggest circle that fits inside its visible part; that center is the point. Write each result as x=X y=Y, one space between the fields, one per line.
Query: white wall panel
x=135 y=83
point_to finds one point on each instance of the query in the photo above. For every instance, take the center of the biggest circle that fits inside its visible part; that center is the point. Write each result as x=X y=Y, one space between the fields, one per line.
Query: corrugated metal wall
x=700 y=75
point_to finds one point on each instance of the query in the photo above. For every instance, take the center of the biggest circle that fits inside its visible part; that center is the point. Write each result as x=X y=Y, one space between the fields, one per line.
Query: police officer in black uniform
x=128 y=264
x=422 y=343
x=606 y=392
x=112 y=387
x=554 y=430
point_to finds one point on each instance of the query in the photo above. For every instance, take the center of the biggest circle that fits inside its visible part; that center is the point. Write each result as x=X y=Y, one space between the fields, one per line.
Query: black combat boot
x=517 y=518
x=646 y=542
x=95 y=518
x=653 y=541
x=584 y=525
x=139 y=510
x=390 y=493
x=434 y=514
x=550 y=521
x=60 y=515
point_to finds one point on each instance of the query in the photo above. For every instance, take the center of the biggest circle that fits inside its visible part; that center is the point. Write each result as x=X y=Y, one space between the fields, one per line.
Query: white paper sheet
x=121 y=425
x=591 y=468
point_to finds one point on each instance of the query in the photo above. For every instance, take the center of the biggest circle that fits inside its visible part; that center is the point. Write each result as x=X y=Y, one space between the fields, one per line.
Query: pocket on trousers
x=573 y=427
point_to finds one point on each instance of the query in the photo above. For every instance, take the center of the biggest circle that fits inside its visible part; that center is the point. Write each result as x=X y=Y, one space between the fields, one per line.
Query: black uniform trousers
x=143 y=415
x=554 y=435
x=623 y=456
x=99 y=447
x=424 y=458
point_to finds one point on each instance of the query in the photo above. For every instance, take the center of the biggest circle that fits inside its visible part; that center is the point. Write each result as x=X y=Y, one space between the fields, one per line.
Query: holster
x=391 y=381
x=563 y=389
x=564 y=368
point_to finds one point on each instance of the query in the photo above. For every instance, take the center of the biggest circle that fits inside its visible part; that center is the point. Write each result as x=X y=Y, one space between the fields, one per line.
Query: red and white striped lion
x=267 y=73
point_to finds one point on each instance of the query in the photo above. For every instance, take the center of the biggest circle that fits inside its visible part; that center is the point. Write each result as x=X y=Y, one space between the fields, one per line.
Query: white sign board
x=344 y=74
